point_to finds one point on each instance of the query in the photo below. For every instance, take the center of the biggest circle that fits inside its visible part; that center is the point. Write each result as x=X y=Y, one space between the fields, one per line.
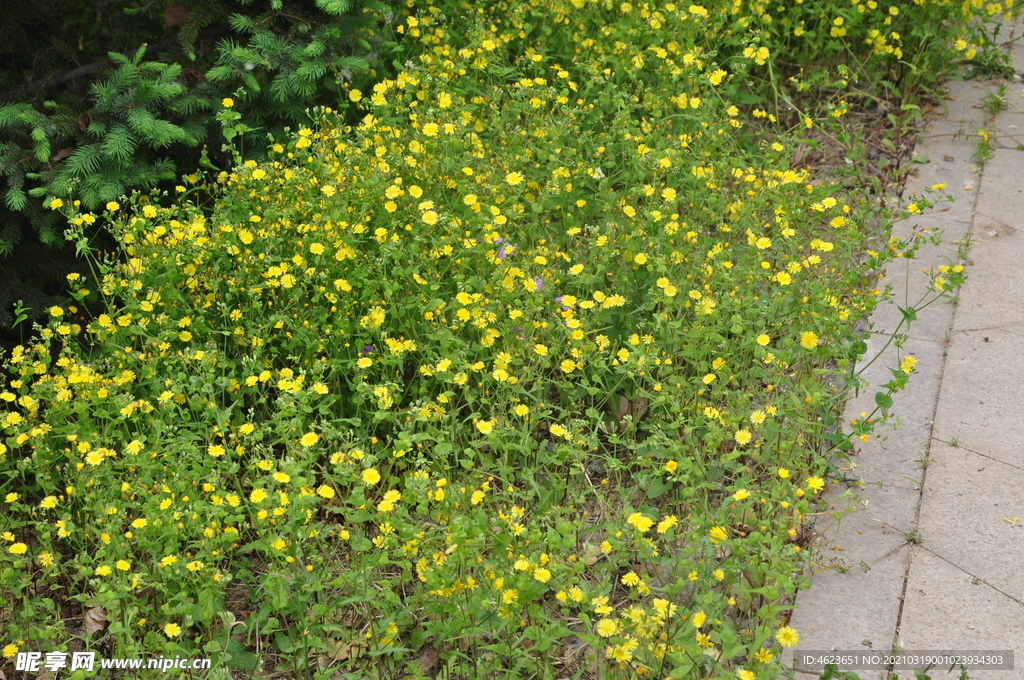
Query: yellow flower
x=257 y=495
x=808 y=339
x=783 y=473
x=103 y=571
x=787 y=637
x=309 y=439
x=743 y=437
x=172 y=630
x=10 y=650
x=18 y=549
x=325 y=492
x=607 y=627
x=815 y=483
x=56 y=203
x=671 y=466
x=123 y=565
x=699 y=618
x=371 y=476
x=640 y=522
x=355 y=95
x=514 y=178
x=542 y=575
x=718 y=534
x=113 y=205
x=227 y=102
x=908 y=363
x=741 y=494
x=140 y=523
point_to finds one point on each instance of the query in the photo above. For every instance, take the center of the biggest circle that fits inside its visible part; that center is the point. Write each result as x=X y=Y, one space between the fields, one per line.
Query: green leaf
x=240 y=658
x=748 y=98
x=284 y=643
x=883 y=400
x=657 y=488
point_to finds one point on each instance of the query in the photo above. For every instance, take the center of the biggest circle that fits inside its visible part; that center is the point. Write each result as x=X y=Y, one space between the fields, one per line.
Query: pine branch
x=83 y=71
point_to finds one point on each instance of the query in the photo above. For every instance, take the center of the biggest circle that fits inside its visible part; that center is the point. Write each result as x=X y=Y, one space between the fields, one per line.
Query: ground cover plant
x=535 y=372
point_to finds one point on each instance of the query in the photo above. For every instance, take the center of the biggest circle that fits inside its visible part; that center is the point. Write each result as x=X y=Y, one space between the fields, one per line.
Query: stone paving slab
x=1010 y=124
x=947 y=608
x=1001 y=197
x=893 y=456
x=967 y=514
x=983 y=390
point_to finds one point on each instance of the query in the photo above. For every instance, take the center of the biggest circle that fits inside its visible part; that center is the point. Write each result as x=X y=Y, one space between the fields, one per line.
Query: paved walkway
x=951 y=475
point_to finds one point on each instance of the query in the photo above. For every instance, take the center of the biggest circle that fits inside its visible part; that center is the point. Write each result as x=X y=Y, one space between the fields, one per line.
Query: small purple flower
x=559 y=299
x=505 y=250
x=520 y=332
x=367 y=349
x=539 y=282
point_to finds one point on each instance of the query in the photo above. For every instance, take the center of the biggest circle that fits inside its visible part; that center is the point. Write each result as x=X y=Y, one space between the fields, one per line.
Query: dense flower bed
x=535 y=370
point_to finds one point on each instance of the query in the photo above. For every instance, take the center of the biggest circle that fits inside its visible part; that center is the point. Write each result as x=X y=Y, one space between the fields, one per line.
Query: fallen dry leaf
x=62 y=154
x=175 y=14
x=342 y=651
x=594 y=556
x=428 y=659
x=95 y=620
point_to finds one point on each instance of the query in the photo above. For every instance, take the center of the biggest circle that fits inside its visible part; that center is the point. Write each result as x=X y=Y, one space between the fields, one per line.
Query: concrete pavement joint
x=975 y=194
x=977 y=579
x=978 y=453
